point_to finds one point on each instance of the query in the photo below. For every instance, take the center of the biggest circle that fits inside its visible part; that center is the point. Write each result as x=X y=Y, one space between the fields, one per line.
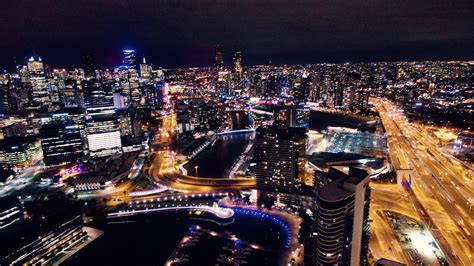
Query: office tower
x=103 y=135
x=237 y=60
x=129 y=59
x=97 y=94
x=153 y=95
x=356 y=99
x=208 y=117
x=183 y=118
x=279 y=157
x=145 y=70
x=102 y=128
x=39 y=91
x=88 y=62
x=71 y=96
x=219 y=60
x=10 y=100
x=301 y=88
x=61 y=142
x=237 y=72
x=342 y=227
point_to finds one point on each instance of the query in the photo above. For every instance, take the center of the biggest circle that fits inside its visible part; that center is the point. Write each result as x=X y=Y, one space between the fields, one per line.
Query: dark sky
x=173 y=33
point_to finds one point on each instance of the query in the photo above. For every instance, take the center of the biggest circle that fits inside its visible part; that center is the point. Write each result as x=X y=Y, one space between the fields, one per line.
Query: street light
x=196 y=169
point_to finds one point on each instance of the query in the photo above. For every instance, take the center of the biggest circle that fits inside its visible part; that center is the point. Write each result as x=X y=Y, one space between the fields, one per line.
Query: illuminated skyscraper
x=145 y=70
x=129 y=59
x=301 y=88
x=238 y=65
x=237 y=72
x=39 y=91
x=218 y=60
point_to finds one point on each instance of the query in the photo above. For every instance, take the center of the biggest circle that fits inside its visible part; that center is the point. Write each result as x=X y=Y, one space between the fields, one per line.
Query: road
x=383 y=242
x=441 y=186
x=165 y=170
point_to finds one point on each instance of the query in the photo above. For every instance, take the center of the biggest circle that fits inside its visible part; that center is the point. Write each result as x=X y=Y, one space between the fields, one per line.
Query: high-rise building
x=88 y=62
x=279 y=154
x=145 y=70
x=219 y=58
x=10 y=100
x=37 y=79
x=71 y=96
x=237 y=72
x=129 y=59
x=61 y=143
x=153 y=95
x=342 y=226
x=301 y=88
x=103 y=136
x=97 y=94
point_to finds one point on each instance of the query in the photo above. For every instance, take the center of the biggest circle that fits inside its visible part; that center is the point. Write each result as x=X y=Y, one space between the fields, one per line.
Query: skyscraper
x=342 y=227
x=129 y=59
x=145 y=70
x=279 y=157
x=39 y=91
x=88 y=62
x=301 y=88
x=218 y=60
x=237 y=60
x=237 y=72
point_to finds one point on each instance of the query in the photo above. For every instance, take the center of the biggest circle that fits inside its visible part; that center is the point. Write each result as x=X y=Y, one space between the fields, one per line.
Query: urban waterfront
x=143 y=239
x=184 y=133
x=217 y=160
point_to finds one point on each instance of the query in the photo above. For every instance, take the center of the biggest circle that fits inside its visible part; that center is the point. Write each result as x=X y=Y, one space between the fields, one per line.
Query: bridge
x=165 y=173
x=236 y=131
x=175 y=180
x=219 y=212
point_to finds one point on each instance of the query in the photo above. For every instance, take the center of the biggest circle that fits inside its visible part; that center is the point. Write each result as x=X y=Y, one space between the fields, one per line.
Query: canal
x=217 y=160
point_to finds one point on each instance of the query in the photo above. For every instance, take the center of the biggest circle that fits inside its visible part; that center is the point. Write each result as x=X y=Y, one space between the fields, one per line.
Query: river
x=217 y=160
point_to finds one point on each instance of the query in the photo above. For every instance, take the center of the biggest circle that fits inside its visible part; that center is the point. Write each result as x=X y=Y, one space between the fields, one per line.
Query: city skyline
x=183 y=34
x=223 y=132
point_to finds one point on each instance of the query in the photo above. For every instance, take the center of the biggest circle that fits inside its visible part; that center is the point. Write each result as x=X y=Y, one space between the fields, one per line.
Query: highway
x=439 y=183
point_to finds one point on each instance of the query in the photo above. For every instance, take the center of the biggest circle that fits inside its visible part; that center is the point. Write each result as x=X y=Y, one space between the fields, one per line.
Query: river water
x=217 y=160
x=151 y=239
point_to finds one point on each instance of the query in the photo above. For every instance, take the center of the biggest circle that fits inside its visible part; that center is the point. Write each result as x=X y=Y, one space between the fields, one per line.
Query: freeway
x=438 y=182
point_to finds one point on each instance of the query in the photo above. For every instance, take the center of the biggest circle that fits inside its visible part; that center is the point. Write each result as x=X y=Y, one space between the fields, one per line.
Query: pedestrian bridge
x=220 y=212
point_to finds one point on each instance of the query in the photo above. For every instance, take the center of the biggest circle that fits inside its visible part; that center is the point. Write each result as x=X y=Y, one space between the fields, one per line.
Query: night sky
x=174 y=33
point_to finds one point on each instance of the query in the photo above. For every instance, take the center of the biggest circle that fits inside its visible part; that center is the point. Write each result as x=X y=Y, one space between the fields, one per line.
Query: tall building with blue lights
x=129 y=59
